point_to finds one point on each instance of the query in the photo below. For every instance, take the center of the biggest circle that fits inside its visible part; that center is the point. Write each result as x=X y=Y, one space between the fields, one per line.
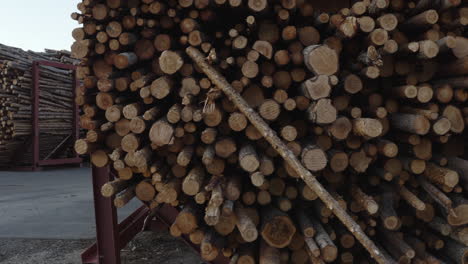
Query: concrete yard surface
x=48 y=217
x=41 y=251
x=49 y=204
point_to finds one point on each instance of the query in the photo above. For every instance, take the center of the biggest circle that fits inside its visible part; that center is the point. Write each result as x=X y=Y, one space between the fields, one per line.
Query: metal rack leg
x=107 y=247
x=112 y=236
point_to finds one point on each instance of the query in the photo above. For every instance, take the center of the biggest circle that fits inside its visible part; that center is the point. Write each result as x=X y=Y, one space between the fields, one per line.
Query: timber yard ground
x=48 y=217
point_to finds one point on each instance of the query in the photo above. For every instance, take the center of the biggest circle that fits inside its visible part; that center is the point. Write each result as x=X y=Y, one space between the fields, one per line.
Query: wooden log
x=210 y=246
x=111 y=188
x=224 y=147
x=329 y=251
x=145 y=191
x=456 y=251
x=193 y=181
x=246 y=225
x=458 y=216
x=367 y=127
x=99 y=158
x=322 y=112
x=321 y=60
x=212 y=210
x=305 y=224
x=123 y=198
x=421 y=21
x=378 y=37
x=264 y=48
x=441 y=176
x=269 y=110
x=170 y=62
x=366 y=201
x=411 y=123
x=277 y=228
x=161 y=87
x=340 y=128
x=412 y=199
x=399 y=244
x=388 y=22
x=436 y=194
x=263 y=128
x=125 y=60
x=453 y=114
x=313 y=158
x=185 y=155
x=268 y=254
x=161 y=133
x=317 y=87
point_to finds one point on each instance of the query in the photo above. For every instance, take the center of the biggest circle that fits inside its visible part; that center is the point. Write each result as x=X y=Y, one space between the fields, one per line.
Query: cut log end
x=170 y=62
x=314 y=158
x=279 y=232
x=367 y=127
x=321 y=60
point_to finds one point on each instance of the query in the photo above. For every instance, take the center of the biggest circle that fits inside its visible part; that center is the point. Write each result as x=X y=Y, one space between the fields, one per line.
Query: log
x=193 y=181
x=114 y=187
x=440 y=175
x=277 y=228
x=161 y=133
x=170 y=62
x=268 y=254
x=313 y=158
x=286 y=154
x=321 y=60
x=305 y=224
x=245 y=225
x=187 y=219
x=367 y=127
x=328 y=250
x=458 y=216
x=411 y=123
x=369 y=98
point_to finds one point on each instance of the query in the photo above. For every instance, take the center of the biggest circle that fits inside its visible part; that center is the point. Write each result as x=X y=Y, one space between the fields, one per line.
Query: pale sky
x=37 y=24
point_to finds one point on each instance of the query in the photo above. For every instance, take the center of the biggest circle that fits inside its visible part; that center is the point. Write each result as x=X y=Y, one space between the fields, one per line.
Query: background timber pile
x=16 y=95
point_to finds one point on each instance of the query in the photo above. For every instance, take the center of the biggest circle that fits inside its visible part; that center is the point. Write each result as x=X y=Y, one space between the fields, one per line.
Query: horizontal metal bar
x=60 y=161
x=132 y=225
x=128 y=229
x=89 y=256
x=56 y=65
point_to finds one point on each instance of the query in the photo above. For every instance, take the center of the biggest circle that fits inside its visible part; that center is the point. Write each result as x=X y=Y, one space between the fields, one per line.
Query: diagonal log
x=270 y=135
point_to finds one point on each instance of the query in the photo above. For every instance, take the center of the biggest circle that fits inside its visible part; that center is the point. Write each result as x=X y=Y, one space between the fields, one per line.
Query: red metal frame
x=112 y=236
x=37 y=162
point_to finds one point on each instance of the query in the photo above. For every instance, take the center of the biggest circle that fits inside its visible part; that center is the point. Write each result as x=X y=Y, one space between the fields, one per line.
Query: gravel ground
x=147 y=247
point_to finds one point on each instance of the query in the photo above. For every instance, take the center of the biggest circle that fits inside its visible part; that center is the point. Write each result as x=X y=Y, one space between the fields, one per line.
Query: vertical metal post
x=75 y=130
x=111 y=237
x=76 y=110
x=107 y=230
x=35 y=115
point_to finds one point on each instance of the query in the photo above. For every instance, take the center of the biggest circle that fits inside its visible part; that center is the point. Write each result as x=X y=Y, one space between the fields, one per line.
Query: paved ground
x=48 y=217
x=41 y=251
x=49 y=204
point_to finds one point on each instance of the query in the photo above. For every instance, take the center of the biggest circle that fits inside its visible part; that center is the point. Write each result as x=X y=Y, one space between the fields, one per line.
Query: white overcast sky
x=37 y=24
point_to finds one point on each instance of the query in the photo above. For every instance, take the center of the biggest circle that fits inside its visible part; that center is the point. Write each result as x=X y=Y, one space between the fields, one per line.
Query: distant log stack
x=370 y=99
x=56 y=104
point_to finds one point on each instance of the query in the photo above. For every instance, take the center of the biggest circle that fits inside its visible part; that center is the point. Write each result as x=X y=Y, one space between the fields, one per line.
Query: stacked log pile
x=284 y=132
x=16 y=95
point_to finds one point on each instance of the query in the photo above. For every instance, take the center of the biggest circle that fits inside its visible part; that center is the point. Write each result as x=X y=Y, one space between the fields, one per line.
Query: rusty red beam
x=35 y=112
x=112 y=236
